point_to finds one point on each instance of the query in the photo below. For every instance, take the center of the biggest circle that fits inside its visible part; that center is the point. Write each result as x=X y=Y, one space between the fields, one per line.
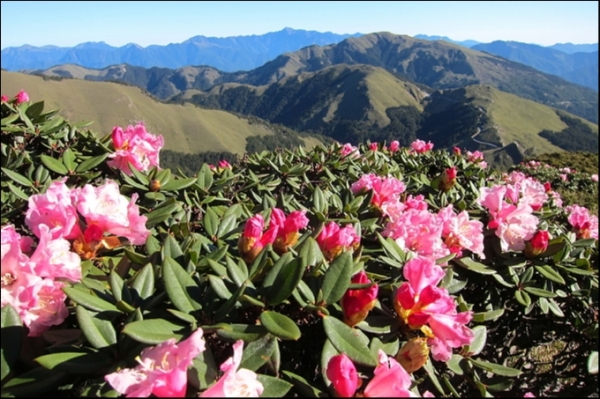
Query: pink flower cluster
x=103 y=208
x=584 y=223
x=394 y=146
x=424 y=306
x=162 y=372
x=386 y=190
x=476 y=157
x=419 y=146
x=21 y=97
x=31 y=284
x=333 y=240
x=390 y=379
x=424 y=233
x=283 y=233
x=511 y=210
x=135 y=146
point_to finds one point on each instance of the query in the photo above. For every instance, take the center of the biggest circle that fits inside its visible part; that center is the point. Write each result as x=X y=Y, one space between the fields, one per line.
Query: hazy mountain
x=464 y=43
x=571 y=48
x=227 y=54
x=549 y=60
x=436 y=64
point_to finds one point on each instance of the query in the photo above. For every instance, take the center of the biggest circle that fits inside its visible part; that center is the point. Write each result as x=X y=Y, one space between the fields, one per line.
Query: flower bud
x=537 y=245
x=356 y=304
x=343 y=376
x=155 y=185
x=413 y=355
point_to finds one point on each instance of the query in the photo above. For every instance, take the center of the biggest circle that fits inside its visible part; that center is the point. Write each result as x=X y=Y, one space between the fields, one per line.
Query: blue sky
x=118 y=23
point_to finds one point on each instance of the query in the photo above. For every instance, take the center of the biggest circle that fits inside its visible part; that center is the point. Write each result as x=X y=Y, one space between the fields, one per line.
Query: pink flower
x=46 y=306
x=349 y=149
x=584 y=224
x=105 y=207
x=419 y=146
x=459 y=232
x=394 y=146
x=343 y=376
x=385 y=189
x=594 y=177
x=288 y=228
x=529 y=395
x=457 y=151
x=418 y=231
x=333 y=240
x=4 y=98
x=22 y=97
x=17 y=271
x=475 y=157
x=162 y=369
x=54 y=259
x=356 y=304
x=55 y=209
x=235 y=383
x=515 y=226
x=223 y=164
x=373 y=146
x=136 y=146
x=422 y=305
x=252 y=240
x=390 y=380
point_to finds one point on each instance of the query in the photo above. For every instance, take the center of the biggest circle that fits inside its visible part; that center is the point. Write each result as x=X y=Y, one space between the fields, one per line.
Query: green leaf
x=17 y=191
x=54 y=165
x=228 y=223
x=280 y=325
x=75 y=362
x=592 y=363
x=476 y=267
x=152 y=331
x=310 y=253
x=285 y=282
x=496 y=368
x=258 y=352
x=205 y=177
x=489 y=315
x=89 y=301
x=302 y=385
x=479 y=340
x=540 y=292
x=246 y=332
x=13 y=333
x=346 y=340
x=143 y=282
x=68 y=159
x=230 y=303
x=550 y=273
x=180 y=286
x=273 y=387
x=178 y=184
x=211 y=222
x=91 y=163
x=207 y=370
x=428 y=366
x=100 y=333
x=454 y=364
x=523 y=298
x=235 y=272
x=319 y=201
x=17 y=177
x=554 y=308
x=35 y=382
x=172 y=249
x=391 y=248
x=162 y=213
x=337 y=278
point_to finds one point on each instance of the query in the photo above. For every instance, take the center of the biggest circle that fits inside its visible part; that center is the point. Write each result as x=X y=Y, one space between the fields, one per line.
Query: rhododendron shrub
x=394 y=271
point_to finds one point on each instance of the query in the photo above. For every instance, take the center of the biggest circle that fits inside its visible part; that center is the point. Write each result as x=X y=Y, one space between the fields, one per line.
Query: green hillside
x=186 y=128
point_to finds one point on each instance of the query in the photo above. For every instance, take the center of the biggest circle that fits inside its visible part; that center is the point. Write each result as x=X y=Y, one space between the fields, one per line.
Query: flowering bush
x=335 y=271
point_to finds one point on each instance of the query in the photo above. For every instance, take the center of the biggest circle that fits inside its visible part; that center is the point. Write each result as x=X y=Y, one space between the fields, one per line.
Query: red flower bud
x=538 y=244
x=356 y=304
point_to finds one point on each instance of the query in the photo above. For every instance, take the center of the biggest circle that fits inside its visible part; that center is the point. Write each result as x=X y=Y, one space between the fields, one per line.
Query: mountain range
x=237 y=53
x=226 y=54
x=435 y=64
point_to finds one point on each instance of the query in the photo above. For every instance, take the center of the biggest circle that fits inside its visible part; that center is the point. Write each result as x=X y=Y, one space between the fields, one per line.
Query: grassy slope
x=518 y=119
x=186 y=128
